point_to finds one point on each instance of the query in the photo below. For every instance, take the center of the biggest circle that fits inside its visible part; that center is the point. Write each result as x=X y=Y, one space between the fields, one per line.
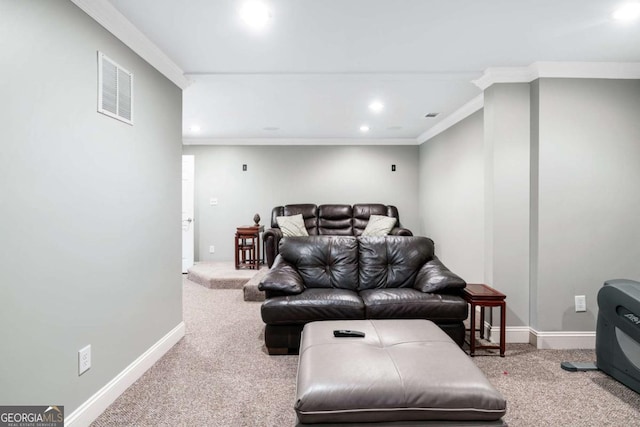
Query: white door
x=188 y=235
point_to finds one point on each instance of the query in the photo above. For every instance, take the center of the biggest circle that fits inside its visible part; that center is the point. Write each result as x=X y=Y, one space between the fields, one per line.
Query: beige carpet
x=250 y=289
x=221 y=275
x=220 y=375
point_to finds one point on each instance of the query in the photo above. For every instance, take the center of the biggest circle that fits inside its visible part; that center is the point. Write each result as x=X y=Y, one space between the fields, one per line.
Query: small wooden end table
x=484 y=296
x=247 y=244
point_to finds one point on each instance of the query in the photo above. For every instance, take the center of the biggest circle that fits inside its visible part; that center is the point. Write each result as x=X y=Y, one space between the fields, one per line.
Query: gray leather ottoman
x=403 y=372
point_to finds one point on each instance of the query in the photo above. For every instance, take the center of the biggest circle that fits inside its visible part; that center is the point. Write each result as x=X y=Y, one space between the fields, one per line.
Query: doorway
x=188 y=193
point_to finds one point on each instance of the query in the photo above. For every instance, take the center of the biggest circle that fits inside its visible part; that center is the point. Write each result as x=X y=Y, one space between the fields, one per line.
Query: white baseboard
x=96 y=404
x=543 y=340
x=563 y=339
x=517 y=334
x=513 y=334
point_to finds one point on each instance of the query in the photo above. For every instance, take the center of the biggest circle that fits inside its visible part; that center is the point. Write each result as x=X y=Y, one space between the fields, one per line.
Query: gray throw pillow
x=292 y=226
x=379 y=225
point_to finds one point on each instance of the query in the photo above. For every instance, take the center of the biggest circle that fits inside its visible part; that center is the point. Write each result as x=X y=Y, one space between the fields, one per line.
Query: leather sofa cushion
x=335 y=220
x=407 y=303
x=309 y=214
x=282 y=278
x=311 y=305
x=323 y=261
x=392 y=261
x=362 y=212
x=434 y=276
x=328 y=220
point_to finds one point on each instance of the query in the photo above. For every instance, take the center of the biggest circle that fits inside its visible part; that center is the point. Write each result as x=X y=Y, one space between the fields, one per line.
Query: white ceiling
x=319 y=63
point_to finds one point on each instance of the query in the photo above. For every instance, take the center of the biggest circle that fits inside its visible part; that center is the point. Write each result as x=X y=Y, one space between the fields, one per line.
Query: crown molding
x=105 y=14
x=460 y=114
x=298 y=141
x=504 y=75
x=357 y=76
x=576 y=70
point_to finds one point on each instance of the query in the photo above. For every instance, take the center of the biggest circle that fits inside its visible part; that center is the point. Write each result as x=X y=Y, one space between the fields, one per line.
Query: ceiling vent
x=431 y=115
x=115 y=90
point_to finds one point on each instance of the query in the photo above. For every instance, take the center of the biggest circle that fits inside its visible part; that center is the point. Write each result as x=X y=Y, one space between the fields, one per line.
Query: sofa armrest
x=271 y=242
x=434 y=276
x=400 y=231
x=282 y=278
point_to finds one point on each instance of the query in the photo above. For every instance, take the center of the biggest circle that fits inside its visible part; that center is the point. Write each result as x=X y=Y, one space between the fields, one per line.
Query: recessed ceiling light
x=195 y=129
x=376 y=106
x=364 y=128
x=627 y=12
x=255 y=14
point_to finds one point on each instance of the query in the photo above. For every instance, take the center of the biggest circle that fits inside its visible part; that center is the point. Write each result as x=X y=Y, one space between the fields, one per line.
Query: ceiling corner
x=105 y=14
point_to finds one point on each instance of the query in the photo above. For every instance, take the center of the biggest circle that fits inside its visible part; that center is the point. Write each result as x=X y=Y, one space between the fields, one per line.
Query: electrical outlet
x=213 y=201
x=581 y=303
x=212 y=249
x=84 y=359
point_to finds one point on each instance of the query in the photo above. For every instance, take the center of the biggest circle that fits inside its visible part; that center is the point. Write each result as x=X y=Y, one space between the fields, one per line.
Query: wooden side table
x=484 y=296
x=247 y=242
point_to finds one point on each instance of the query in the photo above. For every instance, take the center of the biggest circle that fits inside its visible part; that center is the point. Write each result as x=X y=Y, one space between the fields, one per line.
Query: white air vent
x=115 y=90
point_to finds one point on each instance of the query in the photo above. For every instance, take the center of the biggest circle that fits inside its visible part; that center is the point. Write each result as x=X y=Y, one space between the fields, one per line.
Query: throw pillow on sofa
x=292 y=226
x=379 y=225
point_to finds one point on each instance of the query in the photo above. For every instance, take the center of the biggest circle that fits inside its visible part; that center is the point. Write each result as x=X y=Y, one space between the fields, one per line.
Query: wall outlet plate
x=212 y=249
x=84 y=359
x=581 y=303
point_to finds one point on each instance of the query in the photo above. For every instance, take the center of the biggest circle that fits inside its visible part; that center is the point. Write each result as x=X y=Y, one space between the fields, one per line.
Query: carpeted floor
x=222 y=274
x=220 y=375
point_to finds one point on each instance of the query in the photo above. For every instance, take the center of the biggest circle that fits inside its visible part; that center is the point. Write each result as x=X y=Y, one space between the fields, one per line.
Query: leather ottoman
x=403 y=372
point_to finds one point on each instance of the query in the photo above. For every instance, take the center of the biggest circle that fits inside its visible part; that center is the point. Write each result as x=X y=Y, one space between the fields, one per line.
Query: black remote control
x=341 y=333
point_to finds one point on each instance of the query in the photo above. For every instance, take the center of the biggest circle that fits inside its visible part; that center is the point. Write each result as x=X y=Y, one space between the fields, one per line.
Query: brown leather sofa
x=328 y=220
x=346 y=277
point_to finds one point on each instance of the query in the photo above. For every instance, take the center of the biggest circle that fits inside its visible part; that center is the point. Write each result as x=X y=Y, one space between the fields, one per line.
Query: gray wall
x=560 y=174
x=534 y=167
x=279 y=175
x=90 y=208
x=452 y=196
x=589 y=196
x=507 y=165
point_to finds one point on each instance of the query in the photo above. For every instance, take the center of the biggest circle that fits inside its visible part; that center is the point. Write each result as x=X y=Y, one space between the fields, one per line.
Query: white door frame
x=188 y=195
